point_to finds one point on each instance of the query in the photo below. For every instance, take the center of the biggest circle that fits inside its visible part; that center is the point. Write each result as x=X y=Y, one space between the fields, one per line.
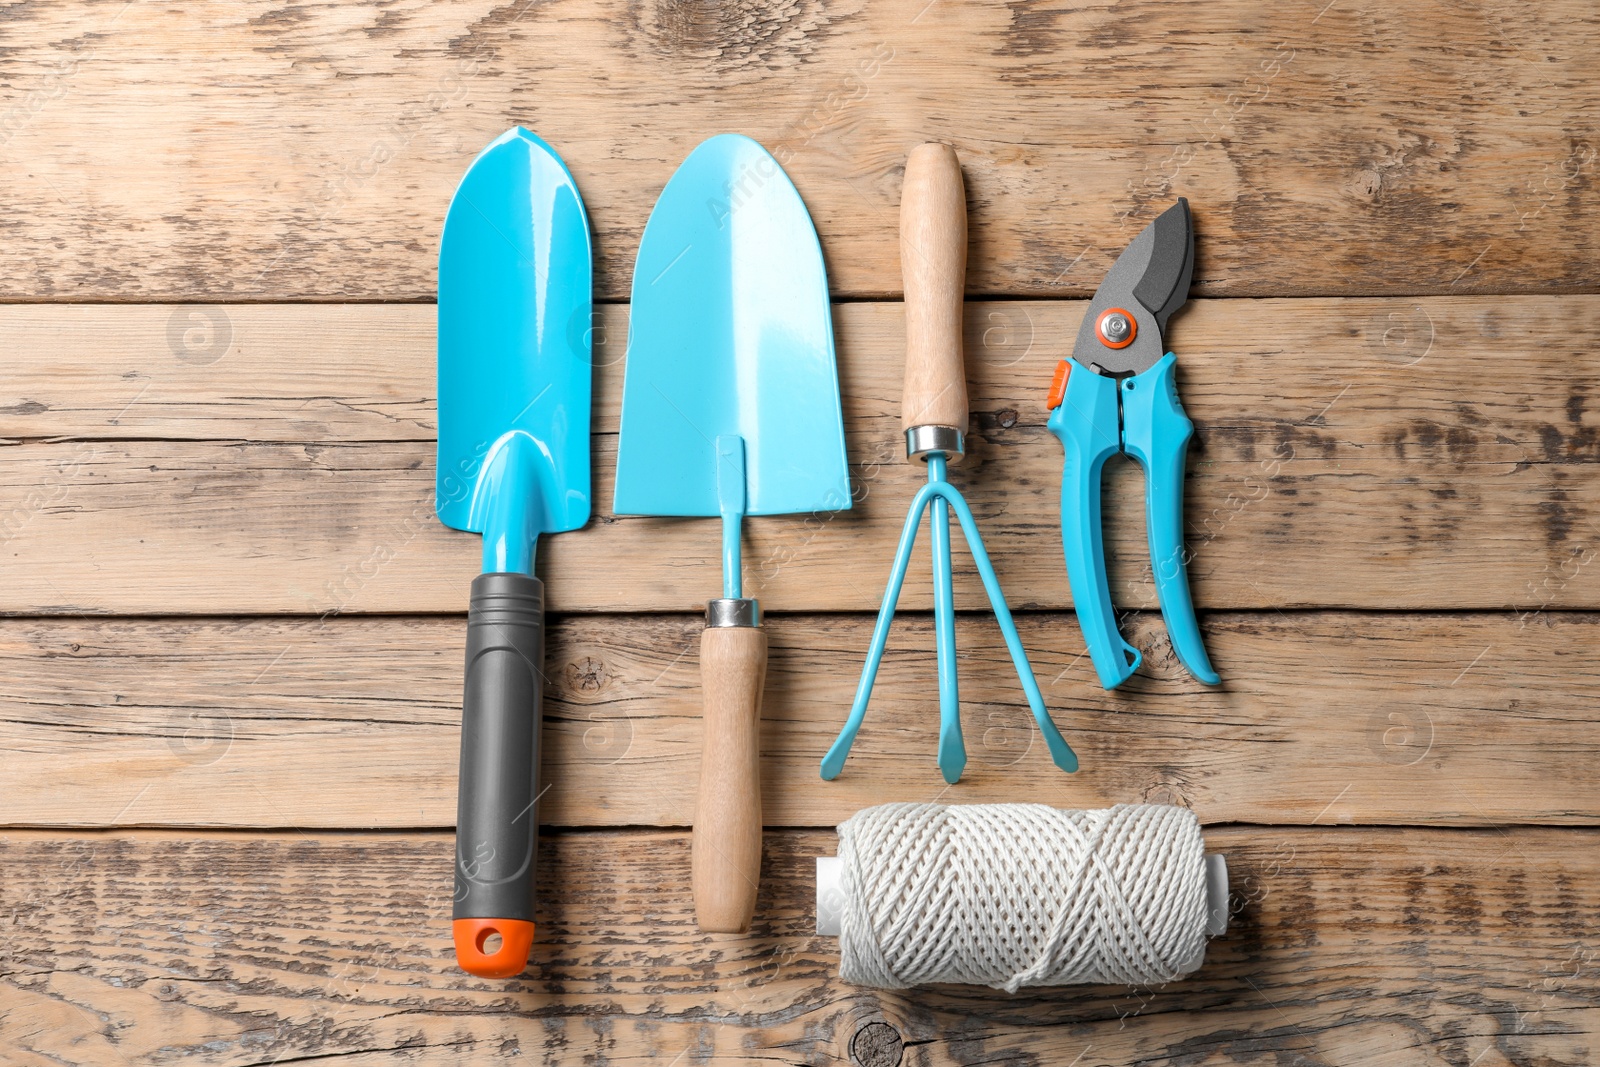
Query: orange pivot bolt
x=1116 y=328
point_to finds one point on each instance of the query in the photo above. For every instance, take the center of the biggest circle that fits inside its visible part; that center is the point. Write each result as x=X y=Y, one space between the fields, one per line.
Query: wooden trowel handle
x=933 y=264
x=727 y=821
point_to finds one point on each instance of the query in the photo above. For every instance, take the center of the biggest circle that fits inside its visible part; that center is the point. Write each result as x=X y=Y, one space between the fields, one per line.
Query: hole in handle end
x=473 y=941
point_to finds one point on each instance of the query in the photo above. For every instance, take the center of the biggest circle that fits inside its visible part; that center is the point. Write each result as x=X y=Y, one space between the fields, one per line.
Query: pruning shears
x=1118 y=394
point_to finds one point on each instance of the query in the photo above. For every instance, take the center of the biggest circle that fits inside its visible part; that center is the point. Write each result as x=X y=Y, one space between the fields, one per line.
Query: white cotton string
x=1013 y=895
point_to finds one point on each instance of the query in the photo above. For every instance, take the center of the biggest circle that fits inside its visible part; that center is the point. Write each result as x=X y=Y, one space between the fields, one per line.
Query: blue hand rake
x=933 y=253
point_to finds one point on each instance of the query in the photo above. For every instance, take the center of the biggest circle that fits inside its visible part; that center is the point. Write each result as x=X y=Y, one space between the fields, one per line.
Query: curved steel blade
x=1150 y=280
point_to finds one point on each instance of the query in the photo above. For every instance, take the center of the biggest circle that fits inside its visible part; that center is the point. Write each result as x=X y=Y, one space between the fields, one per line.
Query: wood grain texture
x=257 y=150
x=1323 y=718
x=933 y=269
x=226 y=603
x=727 y=813
x=1347 y=947
x=1350 y=453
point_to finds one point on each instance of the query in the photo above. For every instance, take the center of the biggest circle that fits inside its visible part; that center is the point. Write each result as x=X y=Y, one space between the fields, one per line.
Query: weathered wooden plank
x=1348 y=946
x=323 y=373
x=1323 y=717
x=151 y=528
x=309 y=151
x=270 y=372
x=1393 y=454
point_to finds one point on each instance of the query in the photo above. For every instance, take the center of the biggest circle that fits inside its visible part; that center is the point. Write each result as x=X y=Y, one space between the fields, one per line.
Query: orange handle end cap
x=507 y=961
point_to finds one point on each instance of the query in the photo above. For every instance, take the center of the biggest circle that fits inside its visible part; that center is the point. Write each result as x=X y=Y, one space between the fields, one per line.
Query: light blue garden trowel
x=730 y=408
x=514 y=387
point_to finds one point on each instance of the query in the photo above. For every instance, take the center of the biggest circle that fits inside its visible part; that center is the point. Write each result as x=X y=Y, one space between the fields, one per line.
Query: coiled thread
x=1013 y=895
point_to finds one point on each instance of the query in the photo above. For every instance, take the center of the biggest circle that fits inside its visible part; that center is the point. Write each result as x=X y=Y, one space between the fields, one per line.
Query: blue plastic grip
x=1156 y=432
x=1086 y=422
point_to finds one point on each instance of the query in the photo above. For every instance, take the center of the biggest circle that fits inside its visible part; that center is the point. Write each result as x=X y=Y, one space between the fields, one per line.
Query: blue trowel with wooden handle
x=730 y=407
x=514 y=388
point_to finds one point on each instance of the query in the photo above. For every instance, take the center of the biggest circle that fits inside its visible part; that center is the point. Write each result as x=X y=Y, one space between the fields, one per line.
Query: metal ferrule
x=920 y=440
x=733 y=611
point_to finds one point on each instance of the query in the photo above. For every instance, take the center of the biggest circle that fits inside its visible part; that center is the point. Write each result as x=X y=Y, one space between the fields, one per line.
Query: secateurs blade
x=1118 y=394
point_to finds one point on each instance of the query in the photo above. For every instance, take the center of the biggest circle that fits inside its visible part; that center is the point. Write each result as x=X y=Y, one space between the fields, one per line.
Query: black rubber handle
x=497 y=814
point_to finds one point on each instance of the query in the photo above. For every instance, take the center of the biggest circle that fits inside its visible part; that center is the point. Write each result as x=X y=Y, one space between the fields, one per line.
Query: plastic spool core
x=830 y=895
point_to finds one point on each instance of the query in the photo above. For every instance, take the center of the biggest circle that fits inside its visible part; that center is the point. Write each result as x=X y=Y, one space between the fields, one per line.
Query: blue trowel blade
x=730 y=334
x=514 y=332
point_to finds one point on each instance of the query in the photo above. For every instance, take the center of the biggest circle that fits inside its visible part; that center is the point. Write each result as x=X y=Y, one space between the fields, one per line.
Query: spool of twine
x=1013 y=895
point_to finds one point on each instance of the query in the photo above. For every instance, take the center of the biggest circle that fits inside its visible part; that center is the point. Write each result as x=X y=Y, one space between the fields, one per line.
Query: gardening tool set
x=731 y=408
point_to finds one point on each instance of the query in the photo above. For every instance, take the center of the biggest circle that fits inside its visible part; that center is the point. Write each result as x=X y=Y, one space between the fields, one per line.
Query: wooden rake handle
x=933 y=265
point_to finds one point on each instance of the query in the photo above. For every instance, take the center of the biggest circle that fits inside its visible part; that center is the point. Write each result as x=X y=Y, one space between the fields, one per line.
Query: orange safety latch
x=1058 y=386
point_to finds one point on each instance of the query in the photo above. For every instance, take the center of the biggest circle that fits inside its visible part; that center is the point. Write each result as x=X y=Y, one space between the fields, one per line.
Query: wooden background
x=231 y=632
